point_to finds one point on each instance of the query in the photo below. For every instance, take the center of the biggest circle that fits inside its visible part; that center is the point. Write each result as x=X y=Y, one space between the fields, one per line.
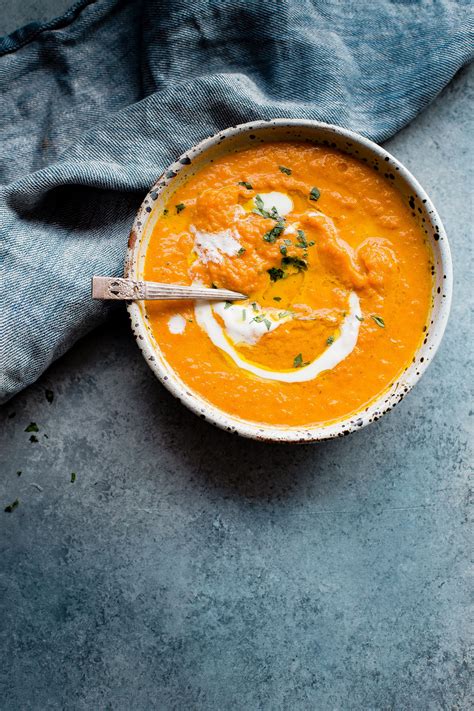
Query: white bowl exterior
x=313 y=132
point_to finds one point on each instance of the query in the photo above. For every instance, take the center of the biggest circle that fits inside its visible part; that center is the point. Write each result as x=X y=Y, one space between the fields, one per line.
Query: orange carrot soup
x=337 y=273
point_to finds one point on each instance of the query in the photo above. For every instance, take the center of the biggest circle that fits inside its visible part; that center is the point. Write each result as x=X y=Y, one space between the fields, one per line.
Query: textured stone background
x=189 y=569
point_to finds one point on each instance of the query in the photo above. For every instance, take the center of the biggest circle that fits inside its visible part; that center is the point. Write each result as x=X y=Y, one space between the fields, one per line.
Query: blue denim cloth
x=94 y=105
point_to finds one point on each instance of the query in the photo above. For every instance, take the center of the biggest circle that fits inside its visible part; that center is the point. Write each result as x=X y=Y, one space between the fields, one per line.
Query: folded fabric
x=95 y=104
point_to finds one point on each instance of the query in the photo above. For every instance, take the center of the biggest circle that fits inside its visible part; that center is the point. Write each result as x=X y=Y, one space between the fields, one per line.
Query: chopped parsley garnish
x=241 y=251
x=49 y=395
x=277 y=298
x=262 y=318
x=180 y=207
x=245 y=184
x=298 y=361
x=227 y=304
x=11 y=507
x=302 y=239
x=359 y=318
x=283 y=249
x=299 y=264
x=254 y=306
x=34 y=438
x=379 y=321
x=314 y=194
x=73 y=477
x=244 y=315
x=276 y=273
x=284 y=314
x=260 y=210
x=287 y=171
x=330 y=340
x=32 y=427
x=273 y=234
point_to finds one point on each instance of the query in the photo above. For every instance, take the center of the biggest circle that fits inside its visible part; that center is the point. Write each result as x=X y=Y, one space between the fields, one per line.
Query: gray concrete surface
x=188 y=569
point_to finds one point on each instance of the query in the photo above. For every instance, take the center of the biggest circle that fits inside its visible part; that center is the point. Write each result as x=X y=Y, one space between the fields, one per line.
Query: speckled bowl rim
x=442 y=294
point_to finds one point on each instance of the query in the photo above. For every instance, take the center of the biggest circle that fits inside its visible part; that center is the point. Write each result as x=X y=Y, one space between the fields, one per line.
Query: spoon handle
x=130 y=290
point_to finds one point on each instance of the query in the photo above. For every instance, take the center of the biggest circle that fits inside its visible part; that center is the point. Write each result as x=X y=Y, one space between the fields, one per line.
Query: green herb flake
x=34 y=438
x=277 y=298
x=254 y=306
x=275 y=273
x=245 y=184
x=260 y=210
x=241 y=251
x=283 y=249
x=284 y=314
x=287 y=242
x=227 y=304
x=11 y=507
x=302 y=244
x=298 y=361
x=285 y=170
x=359 y=318
x=299 y=264
x=314 y=194
x=267 y=323
x=49 y=395
x=244 y=315
x=273 y=234
x=180 y=207
x=73 y=477
x=32 y=427
x=379 y=321
x=330 y=340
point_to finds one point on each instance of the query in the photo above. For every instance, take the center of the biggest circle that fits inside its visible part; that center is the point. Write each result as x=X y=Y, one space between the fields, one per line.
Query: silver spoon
x=130 y=290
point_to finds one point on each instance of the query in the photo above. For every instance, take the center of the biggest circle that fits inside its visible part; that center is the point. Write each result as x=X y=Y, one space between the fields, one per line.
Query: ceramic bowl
x=246 y=136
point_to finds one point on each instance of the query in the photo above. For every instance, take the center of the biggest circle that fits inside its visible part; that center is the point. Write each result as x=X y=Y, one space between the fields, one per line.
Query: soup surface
x=337 y=273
